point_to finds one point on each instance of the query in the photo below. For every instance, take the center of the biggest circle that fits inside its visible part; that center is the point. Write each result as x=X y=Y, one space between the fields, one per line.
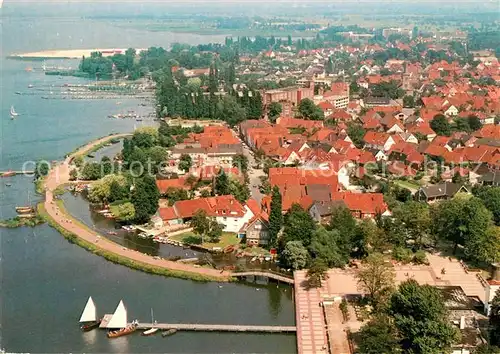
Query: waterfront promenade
x=59 y=175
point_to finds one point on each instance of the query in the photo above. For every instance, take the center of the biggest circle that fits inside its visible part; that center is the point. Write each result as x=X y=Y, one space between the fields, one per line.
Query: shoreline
x=67 y=53
x=57 y=217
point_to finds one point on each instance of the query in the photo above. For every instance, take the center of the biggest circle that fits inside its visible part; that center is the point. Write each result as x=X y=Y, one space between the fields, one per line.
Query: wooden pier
x=16 y=172
x=219 y=327
x=265 y=274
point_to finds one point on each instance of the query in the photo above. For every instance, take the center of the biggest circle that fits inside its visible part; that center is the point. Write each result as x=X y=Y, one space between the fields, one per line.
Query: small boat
x=13 y=112
x=25 y=210
x=8 y=184
x=30 y=86
x=89 y=319
x=229 y=249
x=112 y=233
x=169 y=332
x=19 y=93
x=150 y=331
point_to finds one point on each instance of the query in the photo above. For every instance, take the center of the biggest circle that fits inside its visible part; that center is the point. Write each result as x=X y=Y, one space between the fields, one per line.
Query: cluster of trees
x=389 y=89
x=103 y=67
x=178 y=96
x=308 y=110
x=442 y=126
x=205 y=226
x=412 y=319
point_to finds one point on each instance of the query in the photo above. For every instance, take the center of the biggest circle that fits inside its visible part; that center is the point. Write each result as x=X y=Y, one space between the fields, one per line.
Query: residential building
x=441 y=191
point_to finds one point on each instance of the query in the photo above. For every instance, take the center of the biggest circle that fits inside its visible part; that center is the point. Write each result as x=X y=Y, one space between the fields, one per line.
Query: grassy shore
x=18 y=222
x=115 y=258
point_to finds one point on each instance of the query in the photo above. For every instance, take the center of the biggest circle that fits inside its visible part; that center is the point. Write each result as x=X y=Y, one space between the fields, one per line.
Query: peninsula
x=68 y=53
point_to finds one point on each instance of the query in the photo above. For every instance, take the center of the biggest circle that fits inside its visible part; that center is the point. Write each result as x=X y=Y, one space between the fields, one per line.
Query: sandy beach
x=69 y=53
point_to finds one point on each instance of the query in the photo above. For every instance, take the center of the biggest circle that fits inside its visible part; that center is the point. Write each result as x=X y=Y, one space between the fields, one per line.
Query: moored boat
x=88 y=319
x=119 y=320
x=122 y=332
x=150 y=332
x=170 y=332
x=25 y=210
x=8 y=174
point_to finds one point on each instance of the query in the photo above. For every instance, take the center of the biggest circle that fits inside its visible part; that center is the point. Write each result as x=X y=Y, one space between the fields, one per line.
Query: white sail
x=89 y=312
x=119 y=319
x=13 y=111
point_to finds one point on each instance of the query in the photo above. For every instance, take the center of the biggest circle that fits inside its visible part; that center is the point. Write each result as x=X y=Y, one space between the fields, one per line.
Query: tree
x=491 y=199
x=316 y=274
x=230 y=111
x=239 y=190
x=439 y=124
x=376 y=277
x=495 y=320
x=274 y=110
x=307 y=109
x=175 y=194
x=275 y=215
x=185 y=162
x=378 y=336
x=206 y=226
x=295 y=255
x=485 y=246
x=101 y=191
x=474 y=123
x=91 y=171
x=73 y=174
x=299 y=225
x=463 y=221
x=356 y=133
x=240 y=161
x=118 y=190
x=123 y=212
x=421 y=318
x=416 y=220
x=325 y=247
x=343 y=221
x=408 y=101
x=41 y=169
x=145 y=196
x=221 y=186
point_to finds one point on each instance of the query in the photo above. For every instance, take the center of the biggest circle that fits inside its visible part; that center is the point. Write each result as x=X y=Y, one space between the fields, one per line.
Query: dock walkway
x=266 y=274
x=219 y=327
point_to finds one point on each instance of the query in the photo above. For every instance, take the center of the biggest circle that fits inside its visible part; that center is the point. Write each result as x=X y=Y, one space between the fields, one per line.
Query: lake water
x=45 y=280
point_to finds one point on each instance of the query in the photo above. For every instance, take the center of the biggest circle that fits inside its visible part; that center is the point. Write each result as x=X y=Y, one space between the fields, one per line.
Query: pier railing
x=283 y=277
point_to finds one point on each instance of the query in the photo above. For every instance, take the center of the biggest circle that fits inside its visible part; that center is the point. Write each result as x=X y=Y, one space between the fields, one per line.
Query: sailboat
x=119 y=320
x=152 y=330
x=13 y=112
x=89 y=319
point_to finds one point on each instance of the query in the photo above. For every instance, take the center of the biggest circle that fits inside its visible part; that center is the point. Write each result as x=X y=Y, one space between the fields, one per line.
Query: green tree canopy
x=275 y=215
x=308 y=110
x=376 y=277
x=325 y=245
x=101 y=191
x=421 y=318
x=295 y=255
x=123 y=212
x=185 y=162
x=378 y=336
x=440 y=125
x=274 y=110
x=299 y=225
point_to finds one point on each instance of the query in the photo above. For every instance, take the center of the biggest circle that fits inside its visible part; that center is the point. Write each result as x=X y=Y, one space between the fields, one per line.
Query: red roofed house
x=363 y=205
x=225 y=209
x=256 y=230
x=378 y=140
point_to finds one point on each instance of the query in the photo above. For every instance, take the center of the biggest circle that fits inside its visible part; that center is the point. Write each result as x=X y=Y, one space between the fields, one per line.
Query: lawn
x=407 y=184
x=227 y=238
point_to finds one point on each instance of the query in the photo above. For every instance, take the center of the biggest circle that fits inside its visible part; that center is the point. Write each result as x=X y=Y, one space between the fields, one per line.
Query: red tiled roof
x=367 y=203
x=164 y=184
x=167 y=213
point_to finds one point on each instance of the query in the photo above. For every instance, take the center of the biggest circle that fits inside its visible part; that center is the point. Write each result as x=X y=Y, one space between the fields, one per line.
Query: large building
x=288 y=97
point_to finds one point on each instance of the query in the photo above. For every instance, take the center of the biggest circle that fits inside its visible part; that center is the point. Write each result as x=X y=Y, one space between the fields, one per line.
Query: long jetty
x=218 y=327
x=16 y=172
x=265 y=274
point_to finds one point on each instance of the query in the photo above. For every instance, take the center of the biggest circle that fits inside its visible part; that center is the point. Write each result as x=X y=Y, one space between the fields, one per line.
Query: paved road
x=60 y=175
x=253 y=174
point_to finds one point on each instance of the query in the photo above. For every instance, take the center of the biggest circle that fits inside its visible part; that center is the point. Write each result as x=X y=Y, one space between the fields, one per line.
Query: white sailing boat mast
x=119 y=318
x=89 y=313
